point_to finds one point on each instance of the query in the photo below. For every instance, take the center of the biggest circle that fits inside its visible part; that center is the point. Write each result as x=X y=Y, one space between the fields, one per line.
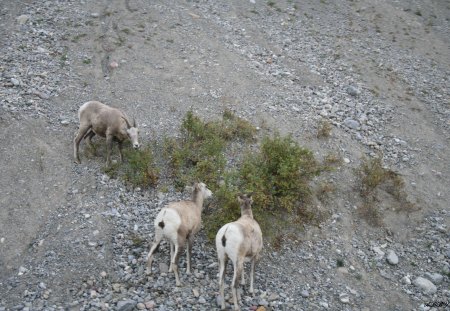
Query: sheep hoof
x=77 y=161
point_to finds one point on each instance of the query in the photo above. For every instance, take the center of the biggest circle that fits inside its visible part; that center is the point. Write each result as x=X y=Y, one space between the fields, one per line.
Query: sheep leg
x=88 y=137
x=158 y=238
x=120 y=151
x=172 y=251
x=252 y=274
x=76 y=142
x=174 y=264
x=238 y=266
x=109 y=142
x=222 y=267
x=190 y=241
x=243 y=276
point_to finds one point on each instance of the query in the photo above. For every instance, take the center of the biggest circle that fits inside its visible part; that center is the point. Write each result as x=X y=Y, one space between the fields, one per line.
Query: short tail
x=224 y=238
x=161 y=224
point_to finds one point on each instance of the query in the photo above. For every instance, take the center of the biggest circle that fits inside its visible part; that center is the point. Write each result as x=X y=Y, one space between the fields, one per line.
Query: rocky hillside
x=377 y=71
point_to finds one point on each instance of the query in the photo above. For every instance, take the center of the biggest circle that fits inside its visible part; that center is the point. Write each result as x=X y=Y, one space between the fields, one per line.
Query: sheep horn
x=134 y=122
x=126 y=121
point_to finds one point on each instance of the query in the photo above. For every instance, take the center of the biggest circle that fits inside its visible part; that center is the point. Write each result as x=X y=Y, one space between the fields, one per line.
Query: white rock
x=22 y=19
x=22 y=270
x=344 y=298
x=406 y=280
x=427 y=287
x=391 y=257
x=379 y=253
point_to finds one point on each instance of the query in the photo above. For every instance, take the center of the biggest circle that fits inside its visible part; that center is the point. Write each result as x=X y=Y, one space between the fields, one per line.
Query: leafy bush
x=199 y=154
x=138 y=168
x=278 y=176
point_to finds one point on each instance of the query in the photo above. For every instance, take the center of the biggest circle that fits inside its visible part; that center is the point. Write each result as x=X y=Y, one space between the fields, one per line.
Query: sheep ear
x=240 y=199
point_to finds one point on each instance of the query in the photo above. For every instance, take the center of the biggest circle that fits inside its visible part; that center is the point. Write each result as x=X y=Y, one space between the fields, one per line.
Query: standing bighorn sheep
x=240 y=240
x=179 y=222
x=99 y=119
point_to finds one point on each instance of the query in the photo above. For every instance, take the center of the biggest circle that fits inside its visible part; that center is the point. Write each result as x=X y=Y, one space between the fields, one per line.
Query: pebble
x=22 y=19
x=426 y=286
x=391 y=257
x=126 y=305
x=436 y=278
x=406 y=280
x=344 y=298
x=350 y=123
x=15 y=82
x=353 y=91
x=305 y=293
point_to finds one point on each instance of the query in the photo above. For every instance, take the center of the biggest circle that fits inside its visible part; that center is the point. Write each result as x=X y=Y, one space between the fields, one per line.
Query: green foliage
x=199 y=154
x=138 y=169
x=324 y=129
x=280 y=174
x=278 y=177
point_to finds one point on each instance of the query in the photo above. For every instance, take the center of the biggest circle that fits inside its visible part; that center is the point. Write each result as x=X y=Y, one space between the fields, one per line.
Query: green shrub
x=199 y=154
x=138 y=168
x=278 y=177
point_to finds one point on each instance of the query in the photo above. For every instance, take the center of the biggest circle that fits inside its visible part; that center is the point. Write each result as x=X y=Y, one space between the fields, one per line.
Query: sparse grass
x=418 y=12
x=126 y=31
x=324 y=129
x=78 y=37
x=370 y=214
x=87 y=61
x=63 y=59
x=373 y=176
x=331 y=160
x=324 y=190
x=271 y=3
x=339 y=262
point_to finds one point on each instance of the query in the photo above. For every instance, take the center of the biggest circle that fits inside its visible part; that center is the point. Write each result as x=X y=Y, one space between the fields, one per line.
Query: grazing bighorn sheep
x=240 y=240
x=179 y=222
x=99 y=119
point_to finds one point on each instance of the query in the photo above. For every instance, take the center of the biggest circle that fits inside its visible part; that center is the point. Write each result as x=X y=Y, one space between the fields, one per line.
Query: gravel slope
x=73 y=239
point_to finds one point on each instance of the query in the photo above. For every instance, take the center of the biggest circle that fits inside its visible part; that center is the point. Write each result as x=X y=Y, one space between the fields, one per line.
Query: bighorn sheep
x=240 y=240
x=99 y=119
x=179 y=222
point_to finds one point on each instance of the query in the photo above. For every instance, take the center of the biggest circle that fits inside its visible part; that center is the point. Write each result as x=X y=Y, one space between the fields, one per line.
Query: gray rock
x=15 y=82
x=305 y=293
x=379 y=253
x=353 y=91
x=22 y=19
x=344 y=298
x=391 y=257
x=350 y=123
x=427 y=287
x=436 y=278
x=126 y=305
